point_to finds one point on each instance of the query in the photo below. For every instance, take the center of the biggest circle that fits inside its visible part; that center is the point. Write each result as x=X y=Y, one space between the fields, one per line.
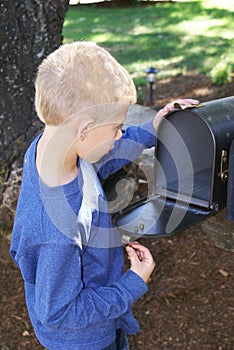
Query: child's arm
x=64 y=302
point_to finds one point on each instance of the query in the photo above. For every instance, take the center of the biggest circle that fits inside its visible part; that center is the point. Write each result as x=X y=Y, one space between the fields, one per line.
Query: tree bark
x=29 y=31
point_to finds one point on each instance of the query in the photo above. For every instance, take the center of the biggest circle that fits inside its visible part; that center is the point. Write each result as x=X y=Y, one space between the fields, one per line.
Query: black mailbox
x=230 y=191
x=190 y=172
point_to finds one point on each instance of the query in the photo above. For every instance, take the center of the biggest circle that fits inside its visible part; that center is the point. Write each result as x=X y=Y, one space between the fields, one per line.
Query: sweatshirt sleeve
x=128 y=148
x=64 y=302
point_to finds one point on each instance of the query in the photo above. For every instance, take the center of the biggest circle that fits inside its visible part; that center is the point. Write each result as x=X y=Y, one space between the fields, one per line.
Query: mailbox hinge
x=224 y=166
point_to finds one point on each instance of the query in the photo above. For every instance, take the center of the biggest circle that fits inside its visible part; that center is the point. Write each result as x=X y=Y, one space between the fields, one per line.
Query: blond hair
x=77 y=76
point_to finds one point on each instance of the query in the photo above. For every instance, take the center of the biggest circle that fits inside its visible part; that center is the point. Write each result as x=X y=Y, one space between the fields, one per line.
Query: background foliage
x=175 y=37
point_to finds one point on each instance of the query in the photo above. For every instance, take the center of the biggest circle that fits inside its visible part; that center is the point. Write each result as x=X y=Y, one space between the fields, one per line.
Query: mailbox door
x=156 y=217
x=185 y=153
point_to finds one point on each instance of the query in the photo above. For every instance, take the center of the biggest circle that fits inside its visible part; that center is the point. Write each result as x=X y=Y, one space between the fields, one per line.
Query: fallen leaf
x=223 y=273
x=25 y=334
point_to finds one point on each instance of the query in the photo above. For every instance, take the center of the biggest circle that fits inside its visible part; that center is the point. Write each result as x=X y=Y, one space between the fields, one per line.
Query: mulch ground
x=190 y=302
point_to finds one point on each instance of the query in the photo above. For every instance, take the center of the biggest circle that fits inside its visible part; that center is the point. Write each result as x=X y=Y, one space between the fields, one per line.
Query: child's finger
x=132 y=255
x=138 y=246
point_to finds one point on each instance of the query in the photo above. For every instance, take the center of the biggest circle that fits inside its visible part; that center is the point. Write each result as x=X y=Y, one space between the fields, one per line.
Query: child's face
x=99 y=141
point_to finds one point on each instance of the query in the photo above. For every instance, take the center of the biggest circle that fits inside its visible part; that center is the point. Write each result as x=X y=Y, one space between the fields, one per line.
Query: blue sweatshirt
x=70 y=256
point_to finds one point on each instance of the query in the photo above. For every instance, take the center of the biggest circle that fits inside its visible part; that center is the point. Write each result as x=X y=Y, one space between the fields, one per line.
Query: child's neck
x=56 y=160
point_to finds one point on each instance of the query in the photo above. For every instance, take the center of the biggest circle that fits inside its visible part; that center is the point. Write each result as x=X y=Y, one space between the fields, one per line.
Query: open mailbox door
x=190 y=172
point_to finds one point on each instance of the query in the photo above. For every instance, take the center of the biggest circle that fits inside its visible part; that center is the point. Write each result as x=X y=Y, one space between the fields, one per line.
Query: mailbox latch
x=224 y=166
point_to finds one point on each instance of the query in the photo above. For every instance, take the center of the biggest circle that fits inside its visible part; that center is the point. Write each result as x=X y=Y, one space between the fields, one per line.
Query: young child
x=70 y=256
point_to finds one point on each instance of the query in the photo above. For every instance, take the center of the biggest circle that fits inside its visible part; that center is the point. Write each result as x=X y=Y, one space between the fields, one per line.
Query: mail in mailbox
x=190 y=172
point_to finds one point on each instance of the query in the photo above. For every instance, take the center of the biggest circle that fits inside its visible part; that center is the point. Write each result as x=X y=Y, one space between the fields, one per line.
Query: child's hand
x=142 y=262
x=171 y=107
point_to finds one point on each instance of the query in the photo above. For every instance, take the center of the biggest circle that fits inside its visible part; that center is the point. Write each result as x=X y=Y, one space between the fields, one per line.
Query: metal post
x=151 y=72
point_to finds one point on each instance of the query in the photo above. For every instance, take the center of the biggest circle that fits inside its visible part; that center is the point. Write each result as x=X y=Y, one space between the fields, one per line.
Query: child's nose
x=118 y=135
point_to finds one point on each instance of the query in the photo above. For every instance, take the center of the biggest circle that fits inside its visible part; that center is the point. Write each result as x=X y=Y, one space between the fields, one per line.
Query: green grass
x=177 y=38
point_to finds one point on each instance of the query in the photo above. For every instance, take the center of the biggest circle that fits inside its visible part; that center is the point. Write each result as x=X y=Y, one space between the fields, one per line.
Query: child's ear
x=84 y=128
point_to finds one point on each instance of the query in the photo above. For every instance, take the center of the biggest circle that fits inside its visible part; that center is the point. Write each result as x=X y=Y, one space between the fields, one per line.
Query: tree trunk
x=29 y=31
